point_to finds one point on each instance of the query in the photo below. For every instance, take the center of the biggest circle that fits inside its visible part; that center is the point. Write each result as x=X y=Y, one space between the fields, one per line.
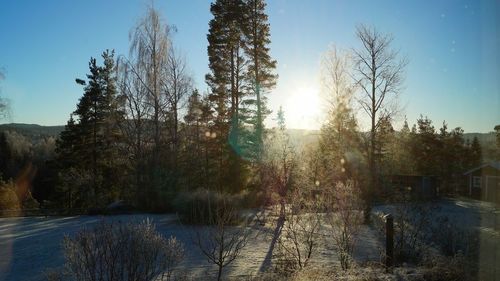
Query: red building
x=484 y=182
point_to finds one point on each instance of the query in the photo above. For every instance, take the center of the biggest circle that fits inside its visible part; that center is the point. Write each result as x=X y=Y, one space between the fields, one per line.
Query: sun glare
x=302 y=108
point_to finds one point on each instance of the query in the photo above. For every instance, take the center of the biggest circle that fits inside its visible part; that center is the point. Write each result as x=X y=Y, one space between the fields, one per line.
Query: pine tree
x=90 y=144
x=226 y=80
x=497 y=130
x=384 y=143
x=260 y=70
x=340 y=140
x=444 y=158
x=457 y=151
x=424 y=148
x=195 y=162
x=476 y=153
x=225 y=53
x=404 y=162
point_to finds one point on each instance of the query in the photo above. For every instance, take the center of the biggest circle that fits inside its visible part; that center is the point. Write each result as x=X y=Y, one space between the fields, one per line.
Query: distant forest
x=30 y=145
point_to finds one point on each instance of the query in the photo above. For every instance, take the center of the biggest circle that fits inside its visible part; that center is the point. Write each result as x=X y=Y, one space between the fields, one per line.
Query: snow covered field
x=30 y=245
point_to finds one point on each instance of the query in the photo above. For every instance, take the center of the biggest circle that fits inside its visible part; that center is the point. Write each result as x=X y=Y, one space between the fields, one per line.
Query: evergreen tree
x=404 y=163
x=196 y=163
x=497 y=130
x=260 y=70
x=424 y=148
x=457 y=147
x=6 y=156
x=383 y=146
x=90 y=145
x=339 y=141
x=475 y=153
x=450 y=155
x=226 y=81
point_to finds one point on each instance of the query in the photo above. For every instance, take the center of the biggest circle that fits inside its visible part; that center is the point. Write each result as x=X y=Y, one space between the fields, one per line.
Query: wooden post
x=389 y=241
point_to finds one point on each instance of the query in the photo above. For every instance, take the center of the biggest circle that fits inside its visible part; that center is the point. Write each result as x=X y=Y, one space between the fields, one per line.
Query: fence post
x=389 y=241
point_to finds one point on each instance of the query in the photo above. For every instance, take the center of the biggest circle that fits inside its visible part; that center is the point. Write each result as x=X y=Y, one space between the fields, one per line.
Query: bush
x=413 y=223
x=344 y=217
x=30 y=203
x=199 y=207
x=117 y=251
x=452 y=239
x=299 y=237
x=8 y=197
x=441 y=268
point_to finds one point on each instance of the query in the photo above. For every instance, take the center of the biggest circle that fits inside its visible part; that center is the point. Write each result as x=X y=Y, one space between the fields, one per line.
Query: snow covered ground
x=484 y=217
x=30 y=245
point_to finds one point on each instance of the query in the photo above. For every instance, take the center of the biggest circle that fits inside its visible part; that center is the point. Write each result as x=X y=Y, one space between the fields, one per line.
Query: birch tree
x=149 y=55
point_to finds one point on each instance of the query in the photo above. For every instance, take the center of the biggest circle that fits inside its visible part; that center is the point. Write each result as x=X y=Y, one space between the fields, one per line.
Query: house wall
x=489 y=189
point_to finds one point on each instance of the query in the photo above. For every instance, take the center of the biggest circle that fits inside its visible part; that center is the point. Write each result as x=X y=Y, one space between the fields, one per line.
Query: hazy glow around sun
x=302 y=108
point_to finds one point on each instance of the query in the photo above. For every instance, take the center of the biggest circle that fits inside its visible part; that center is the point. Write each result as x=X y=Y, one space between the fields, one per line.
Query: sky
x=453 y=48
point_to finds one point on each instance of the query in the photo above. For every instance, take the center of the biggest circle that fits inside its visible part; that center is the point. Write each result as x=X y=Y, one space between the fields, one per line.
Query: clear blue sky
x=453 y=47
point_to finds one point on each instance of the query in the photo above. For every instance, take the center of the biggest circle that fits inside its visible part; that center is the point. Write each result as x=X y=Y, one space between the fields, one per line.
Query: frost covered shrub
x=344 y=217
x=117 y=251
x=442 y=268
x=8 y=197
x=299 y=238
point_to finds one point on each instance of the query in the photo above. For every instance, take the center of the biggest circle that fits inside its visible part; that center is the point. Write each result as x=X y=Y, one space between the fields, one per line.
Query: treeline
x=372 y=158
x=142 y=133
x=24 y=170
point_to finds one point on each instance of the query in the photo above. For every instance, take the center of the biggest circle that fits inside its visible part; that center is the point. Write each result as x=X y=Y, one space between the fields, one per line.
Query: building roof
x=494 y=165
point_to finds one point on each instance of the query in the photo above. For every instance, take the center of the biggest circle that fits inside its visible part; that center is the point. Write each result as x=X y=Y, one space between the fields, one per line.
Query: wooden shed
x=484 y=182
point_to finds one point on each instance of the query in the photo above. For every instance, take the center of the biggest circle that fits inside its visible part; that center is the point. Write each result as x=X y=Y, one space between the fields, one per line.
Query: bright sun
x=302 y=108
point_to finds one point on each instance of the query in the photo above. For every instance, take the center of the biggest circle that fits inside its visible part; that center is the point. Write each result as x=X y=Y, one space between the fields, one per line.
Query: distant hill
x=299 y=137
x=33 y=131
x=483 y=138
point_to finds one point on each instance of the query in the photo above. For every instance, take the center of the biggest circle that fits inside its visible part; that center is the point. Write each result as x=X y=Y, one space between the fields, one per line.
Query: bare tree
x=177 y=86
x=137 y=110
x=149 y=56
x=339 y=140
x=221 y=241
x=336 y=66
x=279 y=163
x=155 y=83
x=378 y=73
